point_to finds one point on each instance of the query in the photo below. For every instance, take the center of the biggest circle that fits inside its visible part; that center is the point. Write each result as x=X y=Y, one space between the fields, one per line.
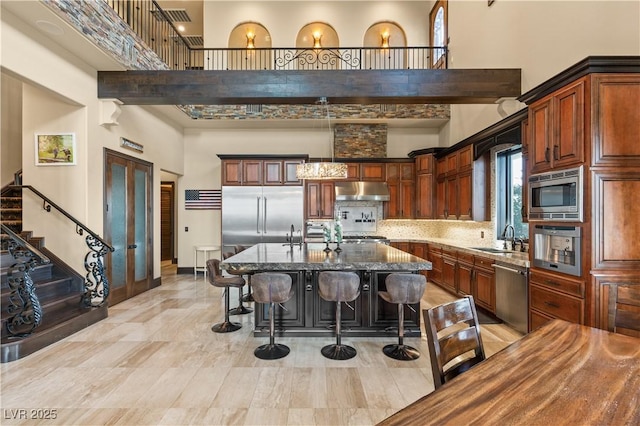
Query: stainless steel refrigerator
x=260 y=214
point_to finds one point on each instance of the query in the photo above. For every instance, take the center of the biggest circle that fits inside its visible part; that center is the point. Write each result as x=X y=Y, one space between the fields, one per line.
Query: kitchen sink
x=492 y=250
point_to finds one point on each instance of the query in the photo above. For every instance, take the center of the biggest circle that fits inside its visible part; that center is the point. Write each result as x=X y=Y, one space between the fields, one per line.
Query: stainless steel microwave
x=556 y=195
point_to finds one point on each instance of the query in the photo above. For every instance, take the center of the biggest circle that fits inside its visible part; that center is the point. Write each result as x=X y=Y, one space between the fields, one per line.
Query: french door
x=128 y=225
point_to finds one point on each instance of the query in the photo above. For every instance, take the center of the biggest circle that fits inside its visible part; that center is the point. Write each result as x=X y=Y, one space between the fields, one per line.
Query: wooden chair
x=624 y=309
x=453 y=335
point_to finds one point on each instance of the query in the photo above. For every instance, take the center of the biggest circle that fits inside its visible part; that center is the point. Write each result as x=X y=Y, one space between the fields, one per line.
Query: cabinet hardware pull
x=551 y=304
x=551 y=282
x=365 y=287
x=309 y=287
x=546 y=154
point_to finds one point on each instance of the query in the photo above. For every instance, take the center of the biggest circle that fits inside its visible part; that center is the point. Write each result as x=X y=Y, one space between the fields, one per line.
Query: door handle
x=264 y=218
x=257 y=215
x=132 y=246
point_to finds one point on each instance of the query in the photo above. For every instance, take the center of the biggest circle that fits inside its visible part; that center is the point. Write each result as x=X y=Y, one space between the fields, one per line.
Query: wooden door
x=167 y=220
x=128 y=225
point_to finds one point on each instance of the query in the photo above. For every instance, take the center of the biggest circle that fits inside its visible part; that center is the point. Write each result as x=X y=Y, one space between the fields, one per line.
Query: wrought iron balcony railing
x=339 y=58
x=155 y=28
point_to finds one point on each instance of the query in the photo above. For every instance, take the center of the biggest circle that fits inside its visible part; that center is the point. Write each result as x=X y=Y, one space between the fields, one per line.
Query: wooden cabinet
x=449 y=267
x=553 y=296
x=425 y=187
x=557 y=128
x=373 y=172
x=260 y=171
x=320 y=198
x=401 y=184
x=484 y=290
x=525 y=170
x=353 y=172
x=465 y=274
x=462 y=186
x=434 y=255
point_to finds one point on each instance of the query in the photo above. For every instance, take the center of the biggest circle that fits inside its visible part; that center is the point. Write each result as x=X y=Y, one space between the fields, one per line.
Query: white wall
x=11 y=136
x=542 y=38
x=62 y=97
x=283 y=19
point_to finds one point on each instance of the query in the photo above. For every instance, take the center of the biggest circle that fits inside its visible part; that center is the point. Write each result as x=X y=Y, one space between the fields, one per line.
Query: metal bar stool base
x=226 y=327
x=271 y=351
x=401 y=352
x=240 y=310
x=338 y=352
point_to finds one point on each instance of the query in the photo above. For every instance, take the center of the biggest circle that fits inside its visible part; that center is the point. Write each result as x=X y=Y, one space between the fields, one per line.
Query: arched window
x=438 y=36
x=246 y=41
x=382 y=38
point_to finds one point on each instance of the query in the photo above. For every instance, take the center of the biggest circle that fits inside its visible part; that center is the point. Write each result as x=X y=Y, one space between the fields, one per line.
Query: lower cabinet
x=551 y=296
x=449 y=262
x=465 y=274
x=485 y=288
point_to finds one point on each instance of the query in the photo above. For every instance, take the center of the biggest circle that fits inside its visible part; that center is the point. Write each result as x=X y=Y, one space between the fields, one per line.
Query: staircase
x=58 y=287
x=11 y=209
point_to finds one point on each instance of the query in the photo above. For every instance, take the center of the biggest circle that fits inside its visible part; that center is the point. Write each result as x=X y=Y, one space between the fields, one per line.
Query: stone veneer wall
x=97 y=21
x=341 y=111
x=360 y=140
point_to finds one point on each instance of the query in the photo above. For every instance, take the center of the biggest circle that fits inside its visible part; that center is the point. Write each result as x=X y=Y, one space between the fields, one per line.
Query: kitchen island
x=306 y=314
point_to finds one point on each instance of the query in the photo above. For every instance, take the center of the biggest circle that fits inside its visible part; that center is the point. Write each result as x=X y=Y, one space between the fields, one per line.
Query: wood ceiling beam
x=198 y=87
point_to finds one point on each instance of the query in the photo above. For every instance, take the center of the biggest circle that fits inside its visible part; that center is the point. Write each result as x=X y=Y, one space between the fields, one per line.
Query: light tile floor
x=155 y=361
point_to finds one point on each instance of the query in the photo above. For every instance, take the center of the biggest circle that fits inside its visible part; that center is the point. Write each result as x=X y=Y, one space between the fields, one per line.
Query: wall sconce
x=385 y=40
x=317 y=37
x=250 y=38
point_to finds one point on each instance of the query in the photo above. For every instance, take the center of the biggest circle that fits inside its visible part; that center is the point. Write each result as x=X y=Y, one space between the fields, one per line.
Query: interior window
x=509 y=193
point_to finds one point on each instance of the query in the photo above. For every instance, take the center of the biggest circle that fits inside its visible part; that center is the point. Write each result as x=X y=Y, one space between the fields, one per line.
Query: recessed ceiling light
x=49 y=27
x=181 y=28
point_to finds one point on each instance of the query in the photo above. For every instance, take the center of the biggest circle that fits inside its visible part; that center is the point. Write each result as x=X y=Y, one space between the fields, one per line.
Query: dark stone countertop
x=310 y=256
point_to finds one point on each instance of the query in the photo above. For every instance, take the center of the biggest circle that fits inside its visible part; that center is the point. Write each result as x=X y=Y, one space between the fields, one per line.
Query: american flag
x=203 y=199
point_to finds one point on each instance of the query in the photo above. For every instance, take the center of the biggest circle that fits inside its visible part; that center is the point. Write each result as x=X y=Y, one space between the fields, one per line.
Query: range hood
x=362 y=191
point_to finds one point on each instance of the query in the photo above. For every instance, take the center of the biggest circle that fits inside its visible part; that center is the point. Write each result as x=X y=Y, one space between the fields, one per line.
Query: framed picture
x=55 y=149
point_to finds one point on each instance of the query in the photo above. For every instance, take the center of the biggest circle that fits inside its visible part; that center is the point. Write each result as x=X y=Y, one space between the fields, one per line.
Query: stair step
x=39 y=274
x=17 y=348
x=53 y=311
x=48 y=291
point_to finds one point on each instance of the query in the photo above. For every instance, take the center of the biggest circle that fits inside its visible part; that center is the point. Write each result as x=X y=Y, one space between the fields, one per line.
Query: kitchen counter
x=311 y=256
x=508 y=257
x=306 y=313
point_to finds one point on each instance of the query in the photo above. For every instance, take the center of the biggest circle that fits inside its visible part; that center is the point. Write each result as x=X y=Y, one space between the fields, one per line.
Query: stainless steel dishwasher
x=511 y=296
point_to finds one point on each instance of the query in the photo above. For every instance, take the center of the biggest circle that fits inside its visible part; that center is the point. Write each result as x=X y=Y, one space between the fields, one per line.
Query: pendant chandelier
x=323 y=169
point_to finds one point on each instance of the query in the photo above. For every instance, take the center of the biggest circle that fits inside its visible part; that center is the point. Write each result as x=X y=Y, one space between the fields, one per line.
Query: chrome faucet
x=512 y=239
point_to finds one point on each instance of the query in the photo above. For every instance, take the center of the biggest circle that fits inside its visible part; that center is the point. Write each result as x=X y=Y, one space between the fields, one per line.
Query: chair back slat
x=624 y=309
x=458 y=343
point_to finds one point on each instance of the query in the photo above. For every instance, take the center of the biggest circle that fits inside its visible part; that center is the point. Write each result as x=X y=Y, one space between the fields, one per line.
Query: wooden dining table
x=561 y=373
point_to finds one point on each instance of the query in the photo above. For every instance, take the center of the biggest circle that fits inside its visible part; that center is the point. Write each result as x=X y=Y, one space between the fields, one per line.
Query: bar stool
x=249 y=296
x=272 y=288
x=403 y=289
x=216 y=279
x=338 y=286
x=241 y=309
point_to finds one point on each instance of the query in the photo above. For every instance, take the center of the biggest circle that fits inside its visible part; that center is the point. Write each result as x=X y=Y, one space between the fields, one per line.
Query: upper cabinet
x=425 y=184
x=260 y=171
x=461 y=186
x=557 y=128
x=402 y=188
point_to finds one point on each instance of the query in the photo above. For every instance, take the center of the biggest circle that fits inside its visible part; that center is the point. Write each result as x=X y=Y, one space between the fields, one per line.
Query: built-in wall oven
x=556 y=195
x=558 y=248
